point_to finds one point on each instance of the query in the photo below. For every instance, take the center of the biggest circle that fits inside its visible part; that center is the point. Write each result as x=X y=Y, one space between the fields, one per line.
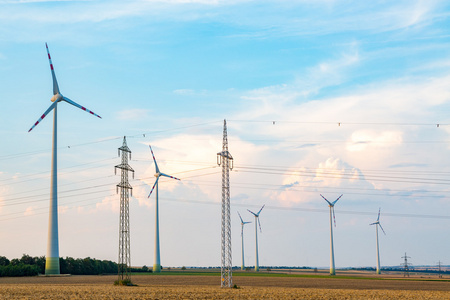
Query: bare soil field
x=207 y=287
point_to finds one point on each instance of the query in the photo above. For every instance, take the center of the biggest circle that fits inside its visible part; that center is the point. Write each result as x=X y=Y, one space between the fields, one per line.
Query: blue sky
x=167 y=73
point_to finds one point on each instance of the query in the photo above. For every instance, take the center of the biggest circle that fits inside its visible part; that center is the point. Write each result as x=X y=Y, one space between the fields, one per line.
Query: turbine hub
x=56 y=97
x=157 y=175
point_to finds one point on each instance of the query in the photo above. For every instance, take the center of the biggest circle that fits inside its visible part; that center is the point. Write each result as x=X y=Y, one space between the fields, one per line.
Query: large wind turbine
x=377 y=223
x=242 y=237
x=331 y=205
x=52 y=258
x=157 y=262
x=256 y=234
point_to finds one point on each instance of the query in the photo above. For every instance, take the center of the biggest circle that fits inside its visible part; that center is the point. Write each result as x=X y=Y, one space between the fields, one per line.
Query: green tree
x=40 y=263
x=27 y=260
x=4 y=261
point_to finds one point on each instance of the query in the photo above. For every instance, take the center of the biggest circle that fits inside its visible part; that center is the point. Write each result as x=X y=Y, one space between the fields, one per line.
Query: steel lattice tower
x=406 y=265
x=124 y=222
x=225 y=159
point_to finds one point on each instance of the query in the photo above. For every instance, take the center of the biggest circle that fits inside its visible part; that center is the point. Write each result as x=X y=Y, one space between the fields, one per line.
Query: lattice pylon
x=124 y=263
x=225 y=159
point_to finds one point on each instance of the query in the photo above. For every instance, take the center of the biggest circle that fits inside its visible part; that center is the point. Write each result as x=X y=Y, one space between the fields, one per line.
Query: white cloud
x=141 y=194
x=362 y=139
x=133 y=114
x=62 y=209
x=184 y=92
x=332 y=172
x=189 y=92
x=109 y=203
x=29 y=211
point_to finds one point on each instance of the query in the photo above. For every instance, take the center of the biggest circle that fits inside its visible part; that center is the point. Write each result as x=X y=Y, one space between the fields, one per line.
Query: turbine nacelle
x=331 y=206
x=242 y=221
x=57 y=97
x=257 y=216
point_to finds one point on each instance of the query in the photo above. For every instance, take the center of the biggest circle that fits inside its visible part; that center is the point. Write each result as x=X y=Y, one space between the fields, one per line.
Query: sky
x=320 y=97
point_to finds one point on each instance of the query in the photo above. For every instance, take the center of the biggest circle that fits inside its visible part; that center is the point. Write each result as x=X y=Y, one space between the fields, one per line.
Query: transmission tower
x=405 y=265
x=440 y=275
x=124 y=221
x=225 y=159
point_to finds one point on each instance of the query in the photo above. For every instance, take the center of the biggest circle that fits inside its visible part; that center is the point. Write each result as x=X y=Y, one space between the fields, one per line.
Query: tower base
x=156 y=268
x=52 y=266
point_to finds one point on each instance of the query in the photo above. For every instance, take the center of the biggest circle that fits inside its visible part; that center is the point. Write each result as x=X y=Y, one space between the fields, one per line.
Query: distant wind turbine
x=332 y=216
x=157 y=262
x=377 y=223
x=242 y=237
x=52 y=258
x=256 y=234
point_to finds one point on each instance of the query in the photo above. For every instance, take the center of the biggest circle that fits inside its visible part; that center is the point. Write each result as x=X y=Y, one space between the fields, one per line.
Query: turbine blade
x=259 y=223
x=334 y=217
x=154 y=159
x=55 y=83
x=81 y=107
x=379 y=210
x=326 y=200
x=247 y=223
x=157 y=178
x=252 y=213
x=44 y=115
x=260 y=210
x=334 y=202
x=242 y=221
x=165 y=175
x=382 y=228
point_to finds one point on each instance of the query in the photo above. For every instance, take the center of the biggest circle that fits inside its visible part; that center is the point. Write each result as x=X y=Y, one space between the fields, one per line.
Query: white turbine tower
x=157 y=261
x=256 y=234
x=52 y=258
x=331 y=205
x=242 y=237
x=377 y=223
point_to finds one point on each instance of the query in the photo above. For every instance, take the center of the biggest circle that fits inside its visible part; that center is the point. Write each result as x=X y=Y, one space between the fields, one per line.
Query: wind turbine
x=377 y=223
x=52 y=258
x=256 y=234
x=331 y=205
x=242 y=237
x=157 y=262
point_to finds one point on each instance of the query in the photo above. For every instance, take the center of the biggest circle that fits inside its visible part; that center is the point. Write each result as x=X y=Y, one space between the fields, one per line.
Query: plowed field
x=207 y=287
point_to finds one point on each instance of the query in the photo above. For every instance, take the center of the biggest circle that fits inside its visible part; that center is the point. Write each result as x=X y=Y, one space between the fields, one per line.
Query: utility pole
x=405 y=265
x=225 y=159
x=124 y=221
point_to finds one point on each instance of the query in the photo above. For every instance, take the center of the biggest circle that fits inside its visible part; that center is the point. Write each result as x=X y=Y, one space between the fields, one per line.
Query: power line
x=145 y=134
x=337 y=123
x=47 y=172
x=347 y=176
x=246 y=185
x=318 y=210
x=274 y=207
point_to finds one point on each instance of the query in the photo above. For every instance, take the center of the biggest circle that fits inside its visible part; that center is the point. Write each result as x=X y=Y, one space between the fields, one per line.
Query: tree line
x=32 y=266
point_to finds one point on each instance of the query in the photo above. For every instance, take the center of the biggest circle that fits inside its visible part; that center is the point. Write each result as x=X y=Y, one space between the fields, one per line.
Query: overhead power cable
x=270 y=207
x=339 y=123
x=304 y=209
